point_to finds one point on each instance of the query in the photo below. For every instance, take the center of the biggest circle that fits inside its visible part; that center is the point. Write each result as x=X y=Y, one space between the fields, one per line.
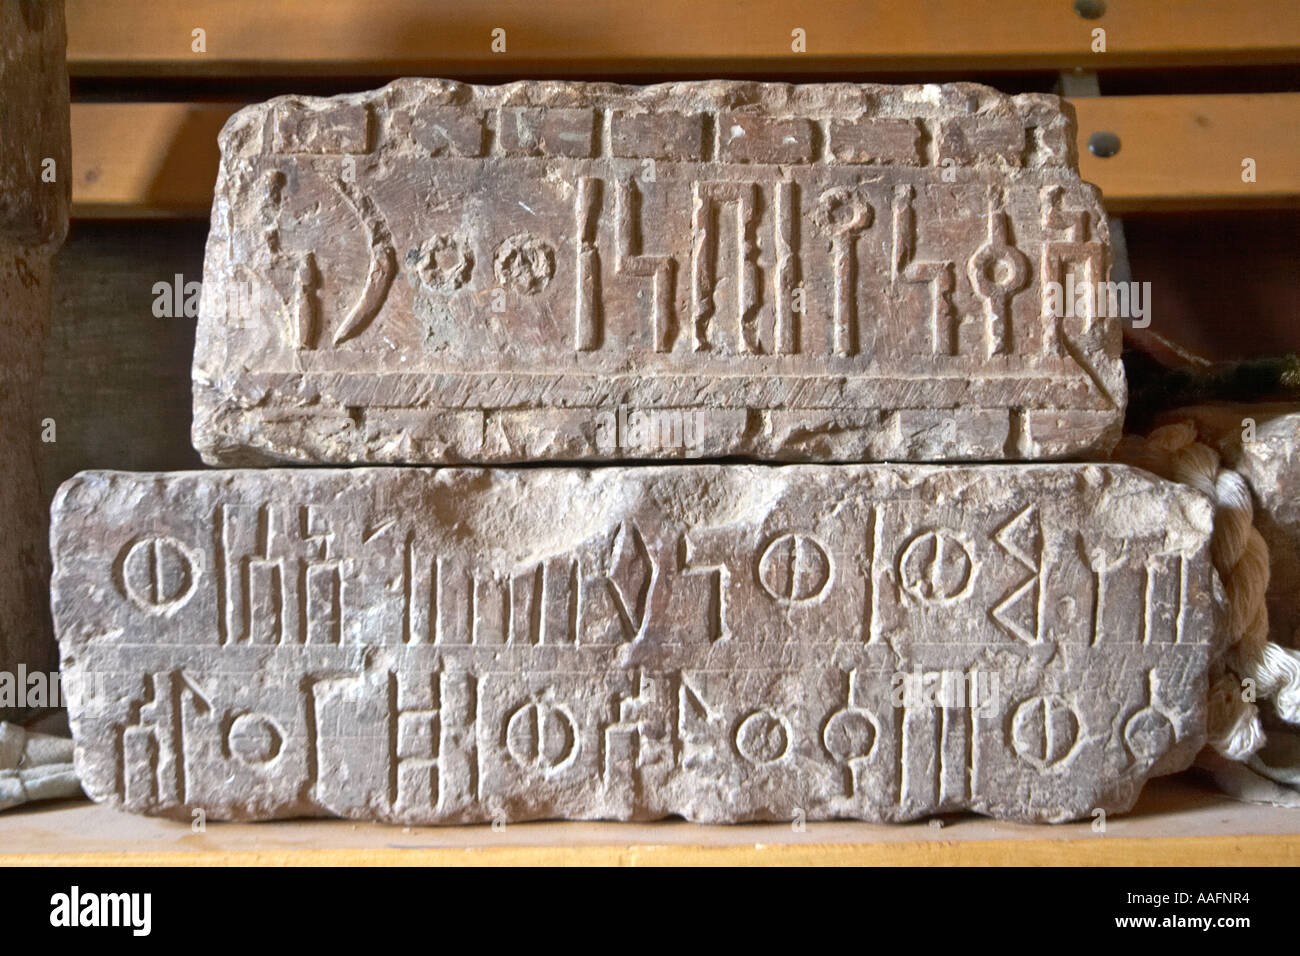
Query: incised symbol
x=443 y=264
x=524 y=264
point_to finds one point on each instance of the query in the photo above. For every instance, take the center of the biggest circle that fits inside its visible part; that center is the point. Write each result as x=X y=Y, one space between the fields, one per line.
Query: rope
x=1241 y=558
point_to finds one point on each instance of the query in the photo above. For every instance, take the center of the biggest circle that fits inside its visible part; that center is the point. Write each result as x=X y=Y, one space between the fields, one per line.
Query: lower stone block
x=727 y=643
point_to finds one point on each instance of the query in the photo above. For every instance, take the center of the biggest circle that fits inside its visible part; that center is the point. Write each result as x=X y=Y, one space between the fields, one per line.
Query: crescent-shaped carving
x=383 y=262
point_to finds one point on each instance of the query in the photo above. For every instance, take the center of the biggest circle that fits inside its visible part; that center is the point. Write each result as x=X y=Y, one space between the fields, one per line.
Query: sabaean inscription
x=726 y=643
x=435 y=272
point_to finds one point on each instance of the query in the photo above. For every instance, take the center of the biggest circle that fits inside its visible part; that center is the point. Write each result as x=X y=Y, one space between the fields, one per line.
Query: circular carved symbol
x=935 y=567
x=524 y=264
x=1148 y=734
x=762 y=738
x=996 y=271
x=849 y=734
x=441 y=265
x=540 y=736
x=156 y=573
x=841 y=210
x=1044 y=730
x=796 y=568
x=254 y=739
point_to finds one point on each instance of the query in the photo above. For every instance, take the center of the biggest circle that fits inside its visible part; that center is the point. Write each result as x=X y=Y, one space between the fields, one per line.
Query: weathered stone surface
x=720 y=642
x=34 y=134
x=436 y=272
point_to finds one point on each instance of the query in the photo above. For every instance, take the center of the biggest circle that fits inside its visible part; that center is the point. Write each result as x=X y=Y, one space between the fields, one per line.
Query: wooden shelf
x=1180 y=821
x=144 y=38
x=1181 y=152
x=1186 y=152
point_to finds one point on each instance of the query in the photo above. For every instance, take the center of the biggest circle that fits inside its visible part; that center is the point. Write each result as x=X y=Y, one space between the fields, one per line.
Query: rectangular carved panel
x=434 y=272
x=726 y=643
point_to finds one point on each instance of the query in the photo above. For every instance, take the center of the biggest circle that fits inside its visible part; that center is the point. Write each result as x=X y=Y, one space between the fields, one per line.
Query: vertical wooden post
x=35 y=180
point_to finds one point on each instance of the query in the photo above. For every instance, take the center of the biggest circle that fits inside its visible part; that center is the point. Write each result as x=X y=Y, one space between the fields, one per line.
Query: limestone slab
x=435 y=272
x=35 y=176
x=727 y=643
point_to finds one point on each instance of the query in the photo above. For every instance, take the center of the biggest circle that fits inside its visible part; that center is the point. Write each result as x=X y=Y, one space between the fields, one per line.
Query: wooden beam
x=245 y=38
x=1179 y=821
x=1176 y=152
x=1187 y=152
x=143 y=160
x=1115 y=851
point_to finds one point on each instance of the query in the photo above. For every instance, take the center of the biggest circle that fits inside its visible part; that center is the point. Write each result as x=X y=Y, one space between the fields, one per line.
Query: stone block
x=723 y=642
x=440 y=273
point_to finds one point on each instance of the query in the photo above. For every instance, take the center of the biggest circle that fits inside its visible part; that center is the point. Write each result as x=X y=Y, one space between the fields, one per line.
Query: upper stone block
x=434 y=272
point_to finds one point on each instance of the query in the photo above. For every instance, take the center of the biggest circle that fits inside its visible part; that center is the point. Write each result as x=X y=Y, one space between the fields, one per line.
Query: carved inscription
x=832 y=270
x=723 y=642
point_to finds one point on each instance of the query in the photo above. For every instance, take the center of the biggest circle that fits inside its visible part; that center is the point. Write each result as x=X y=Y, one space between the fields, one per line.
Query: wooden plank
x=160 y=159
x=1186 y=152
x=1178 y=822
x=145 y=159
x=1171 y=851
x=145 y=38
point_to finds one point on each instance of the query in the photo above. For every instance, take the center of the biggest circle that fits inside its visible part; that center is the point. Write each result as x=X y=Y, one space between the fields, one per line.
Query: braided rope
x=1241 y=558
